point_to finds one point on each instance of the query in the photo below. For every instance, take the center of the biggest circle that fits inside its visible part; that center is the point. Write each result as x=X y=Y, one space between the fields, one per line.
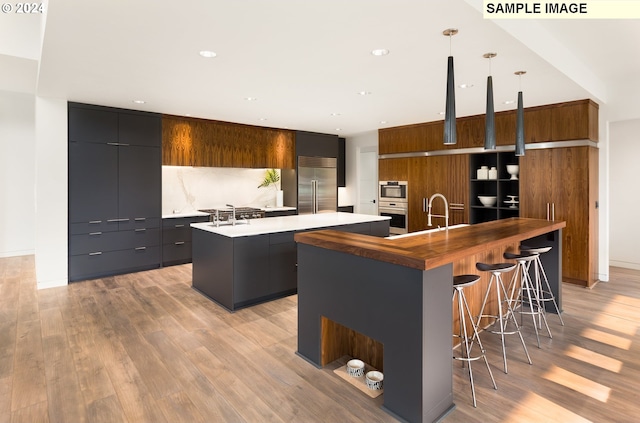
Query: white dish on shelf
x=513 y=171
x=355 y=367
x=488 y=200
x=374 y=380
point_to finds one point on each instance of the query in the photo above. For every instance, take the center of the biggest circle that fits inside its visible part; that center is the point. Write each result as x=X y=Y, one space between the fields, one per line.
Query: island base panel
x=407 y=310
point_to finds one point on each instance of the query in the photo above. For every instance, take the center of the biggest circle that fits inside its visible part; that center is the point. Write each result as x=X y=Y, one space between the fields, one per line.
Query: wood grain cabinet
x=201 y=142
x=562 y=184
x=446 y=175
x=114 y=190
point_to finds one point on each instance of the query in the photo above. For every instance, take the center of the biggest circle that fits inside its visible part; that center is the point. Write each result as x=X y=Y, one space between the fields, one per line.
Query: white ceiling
x=306 y=60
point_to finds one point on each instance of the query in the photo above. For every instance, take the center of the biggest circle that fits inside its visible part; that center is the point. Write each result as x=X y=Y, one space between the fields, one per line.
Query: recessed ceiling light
x=383 y=122
x=139 y=101
x=208 y=54
x=441 y=113
x=364 y=92
x=335 y=114
x=508 y=102
x=338 y=129
x=465 y=85
x=380 y=52
x=263 y=118
x=250 y=98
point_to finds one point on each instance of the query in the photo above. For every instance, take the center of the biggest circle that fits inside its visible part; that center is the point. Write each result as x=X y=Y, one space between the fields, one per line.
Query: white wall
x=353 y=146
x=51 y=192
x=17 y=174
x=624 y=193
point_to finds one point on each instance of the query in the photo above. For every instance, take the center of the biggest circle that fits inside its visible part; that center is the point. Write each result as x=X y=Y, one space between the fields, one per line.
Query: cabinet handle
x=94 y=222
x=140 y=230
x=179 y=226
x=97 y=253
x=141 y=248
x=553 y=211
x=140 y=219
x=118 y=144
x=424 y=205
x=95 y=233
x=179 y=243
x=117 y=220
x=456 y=206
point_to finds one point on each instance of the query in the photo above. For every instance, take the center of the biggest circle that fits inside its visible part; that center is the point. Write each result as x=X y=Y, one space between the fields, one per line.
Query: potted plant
x=271 y=178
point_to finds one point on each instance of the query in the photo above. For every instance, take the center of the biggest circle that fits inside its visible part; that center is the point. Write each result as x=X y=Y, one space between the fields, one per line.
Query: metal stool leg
x=466 y=344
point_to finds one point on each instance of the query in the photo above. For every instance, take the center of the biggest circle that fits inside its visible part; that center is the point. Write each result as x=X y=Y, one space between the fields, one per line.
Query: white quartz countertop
x=267 y=209
x=288 y=223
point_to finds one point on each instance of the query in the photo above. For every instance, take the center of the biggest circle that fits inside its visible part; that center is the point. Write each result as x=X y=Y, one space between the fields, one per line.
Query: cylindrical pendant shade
x=450 y=136
x=490 y=119
x=520 y=127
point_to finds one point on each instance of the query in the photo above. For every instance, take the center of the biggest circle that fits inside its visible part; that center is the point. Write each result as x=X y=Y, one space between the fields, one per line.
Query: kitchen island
x=397 y=293
x=256 y=261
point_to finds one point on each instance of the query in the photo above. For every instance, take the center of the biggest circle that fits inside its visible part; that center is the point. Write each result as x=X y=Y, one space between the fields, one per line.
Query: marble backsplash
x=185 y=189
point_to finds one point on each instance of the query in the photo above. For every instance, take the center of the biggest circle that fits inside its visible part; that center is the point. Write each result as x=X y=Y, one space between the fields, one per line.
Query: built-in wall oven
x=393 y=203
x=393 y=191
x=397 y=211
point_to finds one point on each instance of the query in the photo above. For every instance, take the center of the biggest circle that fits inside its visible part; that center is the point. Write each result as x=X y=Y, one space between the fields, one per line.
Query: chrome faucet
x=232 y=218
x=446 y=210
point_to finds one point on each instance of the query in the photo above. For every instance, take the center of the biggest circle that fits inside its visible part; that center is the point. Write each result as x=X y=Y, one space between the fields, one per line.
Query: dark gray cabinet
x=114 y=190
x=276 y=213
x=342 y=177
x=241 y=271
x=312 y=144
x=176 y=239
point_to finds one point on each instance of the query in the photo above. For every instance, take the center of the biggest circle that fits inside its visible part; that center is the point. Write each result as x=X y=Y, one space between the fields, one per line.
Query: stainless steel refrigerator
x=317 y=185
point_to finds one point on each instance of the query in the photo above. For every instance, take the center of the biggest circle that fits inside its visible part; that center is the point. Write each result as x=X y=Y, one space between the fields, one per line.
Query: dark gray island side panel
x=407 y=310
x=213 y=266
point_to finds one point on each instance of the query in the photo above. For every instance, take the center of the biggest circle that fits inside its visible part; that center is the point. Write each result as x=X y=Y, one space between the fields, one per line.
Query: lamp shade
x=490 y=119
x=450 y=136
x=520 y=127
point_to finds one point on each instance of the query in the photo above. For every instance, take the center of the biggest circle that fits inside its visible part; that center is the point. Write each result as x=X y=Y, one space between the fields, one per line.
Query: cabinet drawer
x=183 y=222
x=93 y=226
x=111 y=241
x=173 y=235
x=176 y=253
x=108 y=263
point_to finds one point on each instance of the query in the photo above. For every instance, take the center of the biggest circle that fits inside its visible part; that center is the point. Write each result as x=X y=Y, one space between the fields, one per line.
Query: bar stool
x=544 y=291
x=502 y=318
x=526 y=288
x=466 y=344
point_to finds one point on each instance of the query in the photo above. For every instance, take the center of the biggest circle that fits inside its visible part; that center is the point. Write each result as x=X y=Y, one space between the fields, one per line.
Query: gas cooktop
x=241 y=213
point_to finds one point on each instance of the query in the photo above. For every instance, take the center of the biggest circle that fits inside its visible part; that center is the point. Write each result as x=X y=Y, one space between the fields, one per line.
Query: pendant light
x=520 y=118
x=450 y=136
x=490 y=116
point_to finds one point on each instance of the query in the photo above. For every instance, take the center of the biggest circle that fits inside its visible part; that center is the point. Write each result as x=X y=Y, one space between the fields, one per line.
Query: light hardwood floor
x=145 y=347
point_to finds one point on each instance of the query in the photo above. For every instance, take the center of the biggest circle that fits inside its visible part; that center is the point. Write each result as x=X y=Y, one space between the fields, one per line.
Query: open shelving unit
x=502 y=187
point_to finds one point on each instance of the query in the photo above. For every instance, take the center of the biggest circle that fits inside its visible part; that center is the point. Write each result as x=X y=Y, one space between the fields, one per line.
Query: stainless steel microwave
x=393 y=191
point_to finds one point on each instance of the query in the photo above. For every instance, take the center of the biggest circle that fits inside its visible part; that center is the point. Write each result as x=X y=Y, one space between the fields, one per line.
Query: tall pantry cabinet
x=562 y=184
x=114 y=191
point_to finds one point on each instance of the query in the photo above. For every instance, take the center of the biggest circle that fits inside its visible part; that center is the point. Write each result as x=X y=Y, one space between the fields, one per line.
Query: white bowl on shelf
x=355 y=367
x=374 y=380
x=513 y=171
x=488 y=200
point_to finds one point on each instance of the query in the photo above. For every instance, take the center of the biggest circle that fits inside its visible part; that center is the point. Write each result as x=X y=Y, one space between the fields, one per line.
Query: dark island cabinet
x=114 y=186
x=237 y=272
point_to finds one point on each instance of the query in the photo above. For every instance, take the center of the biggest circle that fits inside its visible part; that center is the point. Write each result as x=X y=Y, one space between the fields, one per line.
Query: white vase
x=493 y=173
x=279 y=198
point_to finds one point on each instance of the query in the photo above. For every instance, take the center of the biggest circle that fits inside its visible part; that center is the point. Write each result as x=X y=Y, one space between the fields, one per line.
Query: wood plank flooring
x=145 y=347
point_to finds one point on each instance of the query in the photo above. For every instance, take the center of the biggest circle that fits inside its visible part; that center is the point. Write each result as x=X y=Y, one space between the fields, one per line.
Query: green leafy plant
x=272 y=177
